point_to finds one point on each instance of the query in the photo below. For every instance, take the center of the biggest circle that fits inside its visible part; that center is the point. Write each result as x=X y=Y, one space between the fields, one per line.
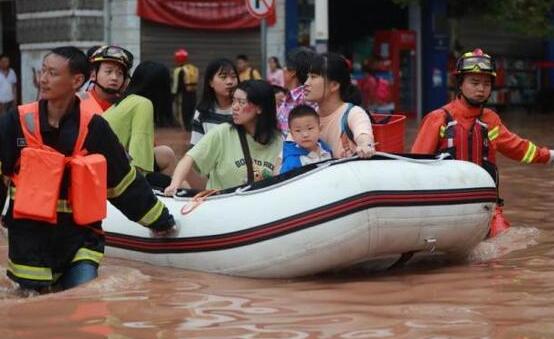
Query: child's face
x=305 y=132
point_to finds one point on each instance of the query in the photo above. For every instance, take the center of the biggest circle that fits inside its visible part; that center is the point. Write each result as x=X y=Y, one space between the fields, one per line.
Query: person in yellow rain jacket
x=183 y=88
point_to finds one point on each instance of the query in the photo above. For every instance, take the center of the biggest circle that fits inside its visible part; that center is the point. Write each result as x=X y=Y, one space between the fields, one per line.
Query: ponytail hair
x=334 y=67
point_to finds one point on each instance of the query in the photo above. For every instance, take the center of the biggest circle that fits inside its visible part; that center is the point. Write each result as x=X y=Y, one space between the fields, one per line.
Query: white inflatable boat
x=325 y=217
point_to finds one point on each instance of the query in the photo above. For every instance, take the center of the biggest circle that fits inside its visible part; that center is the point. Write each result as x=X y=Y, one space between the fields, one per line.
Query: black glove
x=164 y=224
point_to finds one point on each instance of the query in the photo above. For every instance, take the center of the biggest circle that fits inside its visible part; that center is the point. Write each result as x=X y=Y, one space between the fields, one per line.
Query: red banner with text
x=200 y=14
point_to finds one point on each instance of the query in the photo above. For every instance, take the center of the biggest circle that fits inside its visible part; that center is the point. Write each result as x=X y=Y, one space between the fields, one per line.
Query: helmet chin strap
x=475 y=103
x=108 y=90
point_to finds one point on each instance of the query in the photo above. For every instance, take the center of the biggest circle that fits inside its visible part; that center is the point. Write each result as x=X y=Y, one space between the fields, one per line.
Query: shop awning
x=200 y=14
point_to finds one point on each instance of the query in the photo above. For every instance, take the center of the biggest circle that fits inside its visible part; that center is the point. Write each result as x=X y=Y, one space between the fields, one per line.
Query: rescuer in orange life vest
x=61 y=146
x=469 y=131
x=109 y=76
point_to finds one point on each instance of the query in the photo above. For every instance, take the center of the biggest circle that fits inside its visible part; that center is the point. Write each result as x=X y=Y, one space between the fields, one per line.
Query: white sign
x=259 y=8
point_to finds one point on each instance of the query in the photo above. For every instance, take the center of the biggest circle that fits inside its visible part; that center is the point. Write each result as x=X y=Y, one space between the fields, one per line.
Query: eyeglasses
x=477 y=63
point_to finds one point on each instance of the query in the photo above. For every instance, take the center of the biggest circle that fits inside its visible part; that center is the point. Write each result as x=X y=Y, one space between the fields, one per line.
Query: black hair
x=209 y=100
x=152 y=81
x=299 y=61
x=260 y=93
x=302 y=111
x=279 y=89
x=276 y=61
x=4 y=55
x=77 y=60
x=334 y=67
x=242 y=57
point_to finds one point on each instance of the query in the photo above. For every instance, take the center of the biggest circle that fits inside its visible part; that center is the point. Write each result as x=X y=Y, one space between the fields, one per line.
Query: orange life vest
x=88 y=100
x=42 y=167
x=466 y=144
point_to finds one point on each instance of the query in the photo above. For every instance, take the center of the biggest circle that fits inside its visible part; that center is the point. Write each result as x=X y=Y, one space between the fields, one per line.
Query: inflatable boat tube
x=319 y=218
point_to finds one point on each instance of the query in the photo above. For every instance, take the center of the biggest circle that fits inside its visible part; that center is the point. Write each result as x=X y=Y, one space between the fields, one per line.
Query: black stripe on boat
x=302 y=220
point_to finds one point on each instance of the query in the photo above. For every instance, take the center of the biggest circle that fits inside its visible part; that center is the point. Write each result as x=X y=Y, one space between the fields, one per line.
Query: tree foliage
x=531 y=17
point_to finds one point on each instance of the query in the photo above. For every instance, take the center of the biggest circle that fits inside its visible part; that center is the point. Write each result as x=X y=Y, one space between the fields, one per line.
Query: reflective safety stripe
x=530 y=154
x=62 y=207
x=30 y=272
x=123 y=184
x=153 y=214
x=493 y=133
x=86 y=254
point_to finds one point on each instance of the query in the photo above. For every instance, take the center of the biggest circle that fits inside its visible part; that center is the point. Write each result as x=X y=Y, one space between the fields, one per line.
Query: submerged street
x=505 y=289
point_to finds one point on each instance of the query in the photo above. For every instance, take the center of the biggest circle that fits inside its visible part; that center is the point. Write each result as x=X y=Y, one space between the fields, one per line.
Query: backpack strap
x=344 y=128
x=247 y=157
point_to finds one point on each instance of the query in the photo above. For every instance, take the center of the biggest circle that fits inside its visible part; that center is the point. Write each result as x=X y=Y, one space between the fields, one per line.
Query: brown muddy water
x=504 y=290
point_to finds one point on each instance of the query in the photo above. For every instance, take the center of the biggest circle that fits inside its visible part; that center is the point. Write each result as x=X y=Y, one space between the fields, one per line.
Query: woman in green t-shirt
x=219 y=154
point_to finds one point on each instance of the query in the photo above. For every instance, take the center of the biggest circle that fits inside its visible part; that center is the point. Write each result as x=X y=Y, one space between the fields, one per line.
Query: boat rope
x=439 y=157
x=197 y=200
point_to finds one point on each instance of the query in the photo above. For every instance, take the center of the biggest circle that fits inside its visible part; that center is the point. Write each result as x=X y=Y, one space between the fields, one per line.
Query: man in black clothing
x=45 y=256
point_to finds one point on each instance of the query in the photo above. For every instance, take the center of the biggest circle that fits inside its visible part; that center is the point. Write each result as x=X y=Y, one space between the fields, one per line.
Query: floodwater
x=504 y=290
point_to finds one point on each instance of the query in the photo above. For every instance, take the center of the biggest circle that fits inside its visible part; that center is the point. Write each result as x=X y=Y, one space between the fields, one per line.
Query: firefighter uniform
x=40 y=252
x=469 y=131
x=433 y=136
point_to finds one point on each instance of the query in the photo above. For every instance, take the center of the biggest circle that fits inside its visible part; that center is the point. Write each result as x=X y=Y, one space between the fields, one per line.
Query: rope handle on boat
x=197 y=200
x=439 y=157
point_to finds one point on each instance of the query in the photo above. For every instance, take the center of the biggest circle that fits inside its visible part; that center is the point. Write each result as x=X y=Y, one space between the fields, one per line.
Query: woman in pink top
x=329 y=85
x=275 y=75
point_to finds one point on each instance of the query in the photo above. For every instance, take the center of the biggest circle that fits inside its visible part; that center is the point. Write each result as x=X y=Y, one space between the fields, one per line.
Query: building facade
x=347 y=26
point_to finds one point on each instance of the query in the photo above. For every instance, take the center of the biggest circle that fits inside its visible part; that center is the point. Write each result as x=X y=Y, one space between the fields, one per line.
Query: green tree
x=531 y=17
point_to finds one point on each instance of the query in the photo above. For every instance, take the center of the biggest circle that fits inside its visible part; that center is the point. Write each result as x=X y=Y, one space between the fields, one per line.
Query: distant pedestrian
x=246 y=72
x=183 y=88
x=8 y=85
x=275 y=75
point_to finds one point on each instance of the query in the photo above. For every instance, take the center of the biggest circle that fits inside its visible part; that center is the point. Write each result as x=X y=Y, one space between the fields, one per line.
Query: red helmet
x=181 y=56
x=475 y=62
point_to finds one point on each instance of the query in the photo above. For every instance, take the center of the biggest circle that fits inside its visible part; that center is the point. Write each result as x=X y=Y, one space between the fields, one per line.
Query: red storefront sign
x=200 y=14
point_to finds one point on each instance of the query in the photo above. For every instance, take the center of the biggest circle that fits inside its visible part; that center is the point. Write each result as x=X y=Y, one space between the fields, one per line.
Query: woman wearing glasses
x=243 y=151
x=469 y=131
